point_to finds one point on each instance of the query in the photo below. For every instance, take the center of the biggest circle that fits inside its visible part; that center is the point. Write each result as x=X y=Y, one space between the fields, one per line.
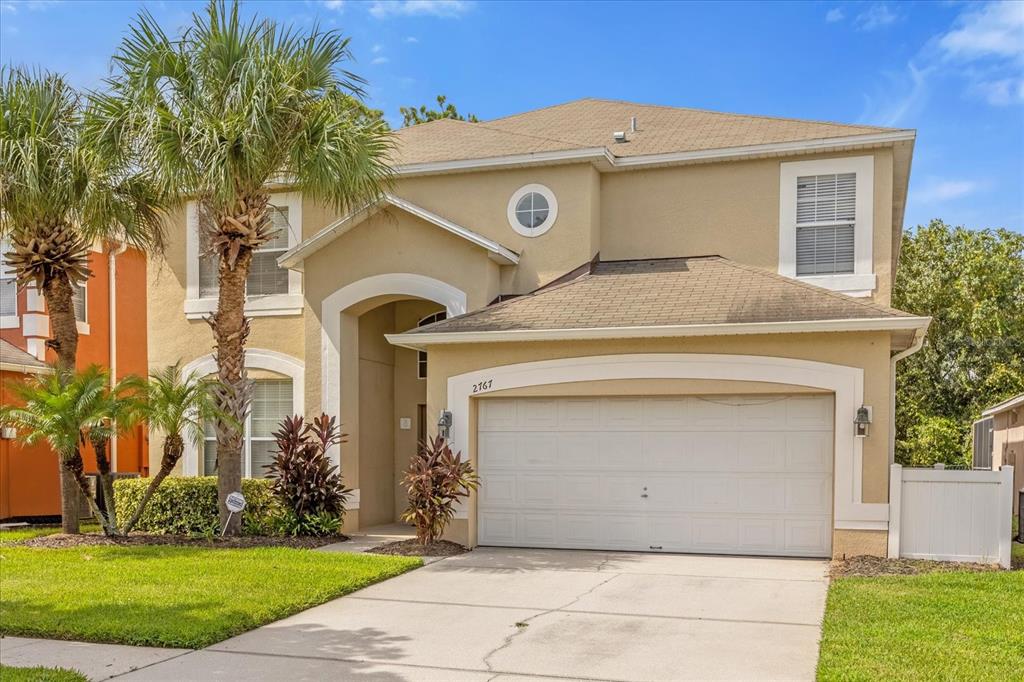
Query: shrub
x=304 y=479
x=286 y=522
x=935 y=439
x=435 y=480
x=188 y=505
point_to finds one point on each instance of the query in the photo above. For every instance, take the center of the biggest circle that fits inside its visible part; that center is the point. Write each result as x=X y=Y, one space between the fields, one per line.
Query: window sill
x=257 y=306
x=859 y=286
x=83 y=327
x=10 y=321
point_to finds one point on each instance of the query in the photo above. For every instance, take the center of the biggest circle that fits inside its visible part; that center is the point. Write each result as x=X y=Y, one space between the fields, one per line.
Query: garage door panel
x=719 y=474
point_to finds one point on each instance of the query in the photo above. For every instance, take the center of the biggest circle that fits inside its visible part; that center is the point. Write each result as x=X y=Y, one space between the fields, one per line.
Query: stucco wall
x=376 y=406
x=1008 y=446
x=727 y=209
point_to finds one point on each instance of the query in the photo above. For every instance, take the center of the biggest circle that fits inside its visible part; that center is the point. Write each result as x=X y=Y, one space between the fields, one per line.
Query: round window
x=532 y=210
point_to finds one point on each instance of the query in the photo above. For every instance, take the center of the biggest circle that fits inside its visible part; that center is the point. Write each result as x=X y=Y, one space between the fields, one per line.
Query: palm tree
x=67 y=409
x=222 y=113
x=177 y=406
x=60 y=194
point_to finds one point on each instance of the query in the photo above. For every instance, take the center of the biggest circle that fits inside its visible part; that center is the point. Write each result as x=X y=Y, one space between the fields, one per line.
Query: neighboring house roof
x=704 y=295
x=14 y=359
x=585 y=127
x=293 y=257
x=1007 y=404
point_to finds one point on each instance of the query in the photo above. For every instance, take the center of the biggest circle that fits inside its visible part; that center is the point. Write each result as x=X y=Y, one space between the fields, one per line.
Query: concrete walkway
x=95 y=661
x=498 y=614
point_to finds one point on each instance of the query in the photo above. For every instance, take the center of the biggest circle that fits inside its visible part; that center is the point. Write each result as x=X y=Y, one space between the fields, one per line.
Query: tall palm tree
x=68 y=409
x=176 y=405
x=59 y=195
x=221 y=113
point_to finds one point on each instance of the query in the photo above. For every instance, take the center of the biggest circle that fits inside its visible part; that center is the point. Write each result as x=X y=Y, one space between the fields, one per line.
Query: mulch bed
x=868 y=566
x=414 y=548
x=61 y=540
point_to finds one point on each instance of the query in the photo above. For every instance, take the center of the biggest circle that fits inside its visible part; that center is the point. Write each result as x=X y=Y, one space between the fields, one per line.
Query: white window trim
x=255 y=358
x=862 y=281
x=552 y=210
x=83 y=325
x=255 y=306
x=8 y=321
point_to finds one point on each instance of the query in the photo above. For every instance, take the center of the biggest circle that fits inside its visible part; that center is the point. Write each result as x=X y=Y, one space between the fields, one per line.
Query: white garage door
x=711 y=474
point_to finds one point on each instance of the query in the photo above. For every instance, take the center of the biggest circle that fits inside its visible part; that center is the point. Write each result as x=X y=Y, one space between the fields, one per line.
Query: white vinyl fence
x=951 y=515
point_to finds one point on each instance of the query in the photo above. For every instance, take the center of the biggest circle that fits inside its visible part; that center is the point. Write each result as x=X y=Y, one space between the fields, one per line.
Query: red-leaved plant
x=304 y=478
x=435 y=480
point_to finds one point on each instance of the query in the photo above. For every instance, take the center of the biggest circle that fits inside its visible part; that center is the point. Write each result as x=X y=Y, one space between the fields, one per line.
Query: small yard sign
x=235 y=502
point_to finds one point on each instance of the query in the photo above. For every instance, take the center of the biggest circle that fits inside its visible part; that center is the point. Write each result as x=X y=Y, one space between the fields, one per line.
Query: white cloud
x=833 y=15
x=412 y=39
x=337 y=5
x=876 y=16
x=376 y=48
x=1000 y=92
x=994 y=30
x=13 y=6
x=943 y=190
x=438 y=8
x=885 y=110
x=380 y=60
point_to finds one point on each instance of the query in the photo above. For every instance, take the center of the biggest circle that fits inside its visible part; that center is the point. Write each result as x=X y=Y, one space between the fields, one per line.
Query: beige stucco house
x=1005 y=440
x=661 y=327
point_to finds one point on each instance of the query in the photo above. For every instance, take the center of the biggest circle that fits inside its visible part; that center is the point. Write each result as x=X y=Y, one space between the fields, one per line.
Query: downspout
x=112 y=254
x=919 y=335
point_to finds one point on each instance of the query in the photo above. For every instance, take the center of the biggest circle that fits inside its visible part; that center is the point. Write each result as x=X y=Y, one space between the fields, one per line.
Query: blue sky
x=952 y=70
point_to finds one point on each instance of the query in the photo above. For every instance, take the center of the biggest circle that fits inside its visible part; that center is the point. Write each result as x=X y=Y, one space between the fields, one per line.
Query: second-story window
x=265 y=276
x=825 y=217
x=8 y=286
x=79 y=299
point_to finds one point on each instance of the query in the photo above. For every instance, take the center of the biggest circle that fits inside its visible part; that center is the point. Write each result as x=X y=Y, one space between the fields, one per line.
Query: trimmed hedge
x=187 y=505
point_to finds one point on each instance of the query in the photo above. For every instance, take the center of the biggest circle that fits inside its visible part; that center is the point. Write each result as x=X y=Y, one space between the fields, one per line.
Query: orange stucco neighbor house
x=111 y=312
x=650 y=328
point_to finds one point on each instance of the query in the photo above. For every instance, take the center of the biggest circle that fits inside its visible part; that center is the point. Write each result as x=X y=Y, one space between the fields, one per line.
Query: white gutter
x=23 y=369
x=112 y=255
x=418 y=341
x=292 y=259
x=603 y=154
x=919 y=335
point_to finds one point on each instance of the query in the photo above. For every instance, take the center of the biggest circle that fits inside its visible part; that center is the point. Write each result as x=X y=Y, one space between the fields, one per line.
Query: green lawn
x=9 y=674
x=171 y=596
x=939 y=626
x=9 y=535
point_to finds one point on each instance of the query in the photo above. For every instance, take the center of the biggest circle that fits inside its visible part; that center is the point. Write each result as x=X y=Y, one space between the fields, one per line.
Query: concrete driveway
x=506 y=614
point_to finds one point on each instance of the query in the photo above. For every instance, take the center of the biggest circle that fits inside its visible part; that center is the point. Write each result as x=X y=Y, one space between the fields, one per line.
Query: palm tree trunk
x=106 y=482
x=235 y=391
x=76 y=470
x=173 y=448
x=57 y=293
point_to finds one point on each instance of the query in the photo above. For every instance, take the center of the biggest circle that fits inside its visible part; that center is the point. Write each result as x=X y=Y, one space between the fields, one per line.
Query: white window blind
x=825 y=217
x=8 y=297
x=271 y=402
x=78 y=300
x=265 y=277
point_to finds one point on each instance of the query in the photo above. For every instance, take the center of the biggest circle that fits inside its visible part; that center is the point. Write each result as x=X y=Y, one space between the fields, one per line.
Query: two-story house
x=110 y=309
x=650 y=328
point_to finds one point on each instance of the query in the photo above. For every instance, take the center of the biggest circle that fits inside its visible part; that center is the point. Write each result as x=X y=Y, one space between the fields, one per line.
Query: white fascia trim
x=255 y=358
x=822 y=144
x=568 y=155
x=846 y=383
x=293 y=258
x=418 y=341
x=1003 y=406
x=602 y=154
x=23 y=369
x=255 y=306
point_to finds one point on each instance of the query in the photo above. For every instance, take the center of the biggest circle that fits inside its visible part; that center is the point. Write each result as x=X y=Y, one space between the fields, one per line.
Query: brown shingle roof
x=589 y=123
x=17 y=358
x=704 y=290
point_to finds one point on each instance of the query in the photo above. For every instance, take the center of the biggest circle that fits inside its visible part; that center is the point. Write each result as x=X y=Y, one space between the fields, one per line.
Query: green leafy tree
x=175 y=405
x=61 y=194
x=221 y=113
x=68 y=409
x=445 y=109
x=971 y=283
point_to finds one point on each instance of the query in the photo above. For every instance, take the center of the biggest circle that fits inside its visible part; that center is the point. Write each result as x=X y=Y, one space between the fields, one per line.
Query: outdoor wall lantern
x=8 y=433
x=444 y=424
x=861 y=421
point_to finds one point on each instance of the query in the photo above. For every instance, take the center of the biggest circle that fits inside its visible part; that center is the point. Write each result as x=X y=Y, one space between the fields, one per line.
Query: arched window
x=421 y=359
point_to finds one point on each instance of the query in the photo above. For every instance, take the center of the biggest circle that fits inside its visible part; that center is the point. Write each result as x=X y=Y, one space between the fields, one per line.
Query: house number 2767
x=483 y=386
